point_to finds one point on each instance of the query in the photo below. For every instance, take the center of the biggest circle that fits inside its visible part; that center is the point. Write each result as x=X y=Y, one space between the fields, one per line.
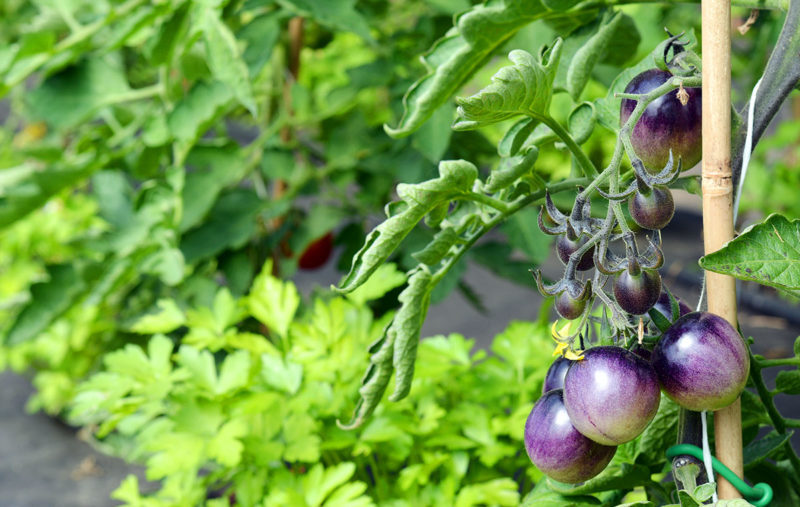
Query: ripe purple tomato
x=665 y=124
x=611 y=395
x=653 y=210
x=565 y=247
x=664 y=308
x=555 y=374
x=702 y=362
x=557 y=448
x=637 y=293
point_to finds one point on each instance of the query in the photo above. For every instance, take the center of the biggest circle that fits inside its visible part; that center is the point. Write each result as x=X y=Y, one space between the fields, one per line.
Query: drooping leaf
x=593 y=50
x=767 y=252
x=581 y=122
x=437 y=249
x=406 y=327
x=456 y=178
x=384 y=279
x=525 y=87
x=514 y=137
x=260 y=35
x=454 y=58
x=511 y=169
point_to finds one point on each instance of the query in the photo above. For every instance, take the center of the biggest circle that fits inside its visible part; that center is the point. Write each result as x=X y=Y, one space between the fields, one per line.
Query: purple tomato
x=665 y=124
x=566 y=247
x=637 y=293
x=664 y=308
x=557 y=448
x=611 y=395
x=702 y=362
x=652 y=209
x=555 y=374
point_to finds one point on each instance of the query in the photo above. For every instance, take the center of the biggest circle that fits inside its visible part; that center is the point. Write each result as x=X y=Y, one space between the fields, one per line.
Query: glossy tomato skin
x=611 y=395
x=702 y=362
x=566 y=247
x=637 y=293
x=557 y=448
x=554 y=379
x=665 y=124
x=653 y=210
x=568 y=307
x=317 y=253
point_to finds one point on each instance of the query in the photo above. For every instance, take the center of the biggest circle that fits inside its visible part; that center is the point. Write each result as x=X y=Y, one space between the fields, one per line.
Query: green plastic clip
x=759 y=495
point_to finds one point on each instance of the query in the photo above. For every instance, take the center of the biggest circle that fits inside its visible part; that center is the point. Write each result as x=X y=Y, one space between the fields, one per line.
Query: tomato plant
x=156 y=155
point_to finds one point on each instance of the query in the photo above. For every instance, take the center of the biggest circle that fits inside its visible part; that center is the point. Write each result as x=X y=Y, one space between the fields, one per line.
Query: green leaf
x=687 y=475
x=543 y=496
x=200 y=365
x=523 y=233
x=281 y=374
x=494 y=492
x=797 y=346
x=168 y=318
x=592 y=52
x=660 y=434
x=523 y=88
x=224 y=59
x=511 y=169
x=456 y=178
x=704 y=492
x=454 y=58
x=581 y=122
x=49 y=300
x=231 y=224
x=234 y=372
x=198 y=110
x=615 y=476
x=273 y=301
x=74 y=94
x=405 y=328
x=515 y=136
x=169 y=34
x=260 y=35
x=767 y=253
x=433 y=137
x=225 y=446
x=438 y=248
x=384 y=279
x=687 y=500
x=335 y=14
x=738 y=502
x=788 y=382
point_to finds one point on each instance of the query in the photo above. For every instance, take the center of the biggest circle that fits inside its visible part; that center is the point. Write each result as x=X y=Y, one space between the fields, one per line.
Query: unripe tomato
x=665 y=124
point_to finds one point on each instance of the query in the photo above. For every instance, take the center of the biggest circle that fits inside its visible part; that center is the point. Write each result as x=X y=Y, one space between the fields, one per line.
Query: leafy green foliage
x=262 y=420
x=767 y=253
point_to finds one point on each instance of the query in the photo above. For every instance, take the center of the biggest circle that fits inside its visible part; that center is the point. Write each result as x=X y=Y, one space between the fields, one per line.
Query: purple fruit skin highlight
x=611 y=395
x=665 y=123
x=557 y=448
x=702 y=362
x=555 y=374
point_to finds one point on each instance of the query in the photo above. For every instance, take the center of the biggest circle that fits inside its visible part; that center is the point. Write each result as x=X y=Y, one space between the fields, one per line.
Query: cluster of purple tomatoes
x=607 y=398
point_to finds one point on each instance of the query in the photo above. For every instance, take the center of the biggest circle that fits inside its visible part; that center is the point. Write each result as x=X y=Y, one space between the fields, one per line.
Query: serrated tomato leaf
x=456 y=178
x=767 y=253
x=525 y=87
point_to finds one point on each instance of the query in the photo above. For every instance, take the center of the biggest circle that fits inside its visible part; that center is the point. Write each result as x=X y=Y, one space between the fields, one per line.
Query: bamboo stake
x=718 y=206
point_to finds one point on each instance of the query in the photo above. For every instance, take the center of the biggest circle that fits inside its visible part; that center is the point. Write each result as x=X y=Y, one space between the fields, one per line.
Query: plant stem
x=778 y=421
x=497 y=204
x=511 y=209
x=588 y=168
x=768 y=363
